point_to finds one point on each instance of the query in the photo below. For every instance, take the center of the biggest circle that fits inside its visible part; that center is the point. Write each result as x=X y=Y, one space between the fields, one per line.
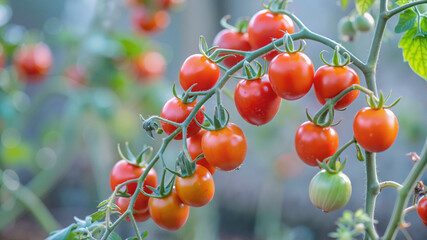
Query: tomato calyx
x=251 y=73
x=187 y=96
x=338 y=60
x=375 y=103
x=288 y=43
x=275 y=6
x=140 y=160
x=220 y=119
x=240 y=27
x=210 y=53
x=333 y=164
x=162 y=190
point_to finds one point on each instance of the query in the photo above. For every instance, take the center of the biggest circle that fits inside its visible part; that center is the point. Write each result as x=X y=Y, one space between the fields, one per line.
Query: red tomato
x=196 y=190
x=264 y=26
x=330 y=81
x=315 y=143
x=256 y=101
x=291 y=75
x=145 y=21
x=33 y=62
x=198 y=69
x=194 y=145
x=76 y=76
x=225 y=148
x=177 y=111
x=139 y=215
x=169 y=213
x=124 y=171
x=422 y=209
x=375 y=129
x=230 y=39
x=149 y=65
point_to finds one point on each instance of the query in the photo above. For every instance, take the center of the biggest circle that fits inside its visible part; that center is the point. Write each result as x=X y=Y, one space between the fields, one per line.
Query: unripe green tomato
x=364 y=23
x=329 y=191
x=346 y=29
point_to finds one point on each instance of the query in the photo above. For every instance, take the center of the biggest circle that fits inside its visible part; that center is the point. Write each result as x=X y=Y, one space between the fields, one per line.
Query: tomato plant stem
x=372 y=191
x=402 y=8
x=390 y=184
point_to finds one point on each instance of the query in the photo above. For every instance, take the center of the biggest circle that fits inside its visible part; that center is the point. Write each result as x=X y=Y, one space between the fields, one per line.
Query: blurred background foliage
x=59 y=132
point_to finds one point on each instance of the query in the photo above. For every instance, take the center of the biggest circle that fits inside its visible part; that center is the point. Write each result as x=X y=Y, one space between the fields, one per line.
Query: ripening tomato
x=76 y=76
x=314 y=143
x=422 y=209
x=169 y=213
x=264 y=26
x=231 y=39
x=196 y=190
x=32 y=62
x=329 y=191
x=149 y=65
x=139 y=215
x=177 y=111
x=291 y=75
x=198 y=69
x=375 y=129
x=256 y=101
x=146 y=21
x=330 y=81
x=124 y=171
x=225 y=148
x=194 y=145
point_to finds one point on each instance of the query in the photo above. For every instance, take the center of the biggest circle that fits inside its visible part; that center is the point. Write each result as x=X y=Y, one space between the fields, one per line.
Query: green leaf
x=62 y=234
x=407 y=21
x=414 y=48
x=363 y=5
x=97 y=216
x=344 y=4
x=114 y=236
x=102 y=203
x=402 y=2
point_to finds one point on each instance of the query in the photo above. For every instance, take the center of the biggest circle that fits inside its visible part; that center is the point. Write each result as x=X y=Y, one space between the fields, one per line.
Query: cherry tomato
x=146 y=21
x=291 y=75
x=139 y=215
x=264 y=26
x=225 y=148
x=364 y=23
x=314 y=143
x=375 y=129
x=230 y=39
x=194 y=145
x=196 y=190
x=256 y=101
x=177 y=111
x=169 y=213
x=346 y=30
x=330 y=81
x=33 y=62
x=76 y=76
x=149 y=65
x=329 y=191
x=422 y=209
x=198 y=69
x=124 y=171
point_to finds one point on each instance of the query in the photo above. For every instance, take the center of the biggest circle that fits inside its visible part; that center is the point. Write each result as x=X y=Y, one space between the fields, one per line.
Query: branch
x=391 y=13
x=390 y=184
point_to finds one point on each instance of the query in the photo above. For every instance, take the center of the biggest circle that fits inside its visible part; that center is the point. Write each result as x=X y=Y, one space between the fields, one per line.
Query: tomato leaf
x=114 y=236
x=344 y=4
x=363 y=5
x=97 y=216
x=407 y=21
x=402 y=2
x=414 y=46
x=63 y=234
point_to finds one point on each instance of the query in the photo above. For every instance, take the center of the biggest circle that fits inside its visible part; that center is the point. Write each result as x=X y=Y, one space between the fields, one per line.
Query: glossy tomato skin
x=139 y=215
x=225 y=148
x=124 y=171
x=169 y=213
x=194 y=145
x=314 y=143
x=198 y=69
x=146 y=21
x=375 y=129
x=330 y=81
x=291 y=75
x=177 y=111
x=422 y=209
x=230 y=39
x=256 y=101
x=330 y=191
x=33 y=62
x=264 y=26
x=196 y=190
x=149 y=66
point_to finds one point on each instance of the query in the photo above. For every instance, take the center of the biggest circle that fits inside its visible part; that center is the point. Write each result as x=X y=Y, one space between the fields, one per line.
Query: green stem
x=390 y=184
x=338 y=153
x=391 y=13
x=372 y=191
x=404 y=194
